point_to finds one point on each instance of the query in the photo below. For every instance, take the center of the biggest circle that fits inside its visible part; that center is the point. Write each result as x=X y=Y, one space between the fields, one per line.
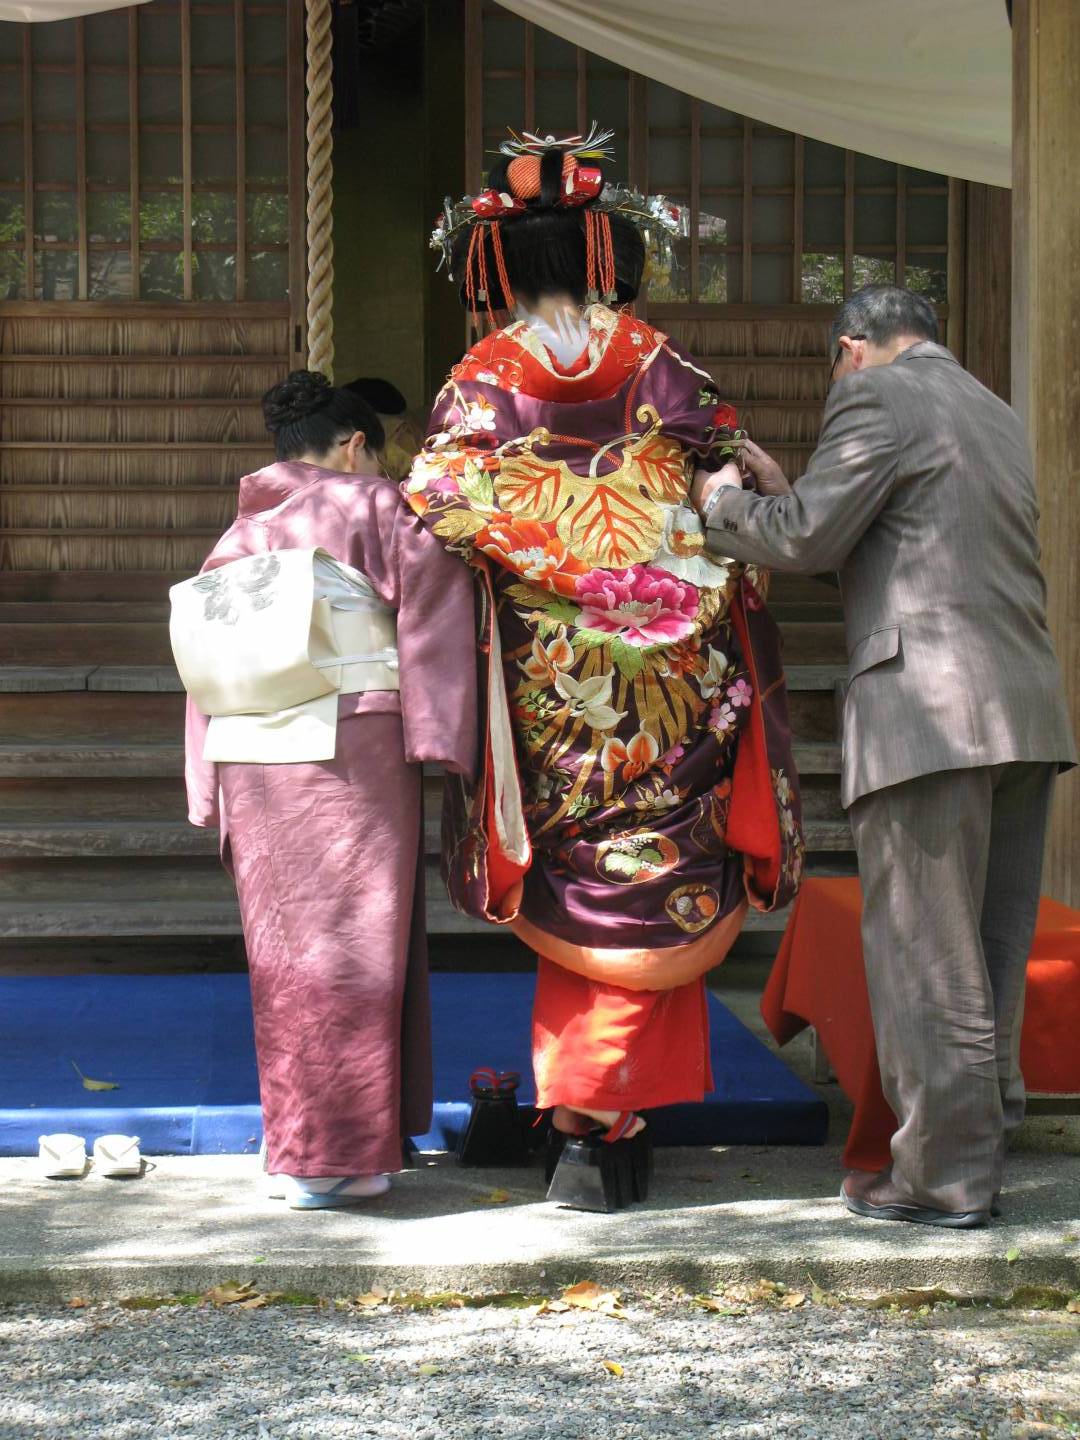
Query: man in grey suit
x=921 y=495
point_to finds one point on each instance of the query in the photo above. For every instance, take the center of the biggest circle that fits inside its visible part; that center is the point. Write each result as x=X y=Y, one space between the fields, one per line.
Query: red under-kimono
x=328 y=857
x=644 y=699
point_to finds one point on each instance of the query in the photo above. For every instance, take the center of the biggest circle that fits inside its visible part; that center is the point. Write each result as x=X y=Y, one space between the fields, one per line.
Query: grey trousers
x=950 y=866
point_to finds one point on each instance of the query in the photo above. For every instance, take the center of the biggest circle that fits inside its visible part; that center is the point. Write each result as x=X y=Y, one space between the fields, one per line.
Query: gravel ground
x=297 y=1372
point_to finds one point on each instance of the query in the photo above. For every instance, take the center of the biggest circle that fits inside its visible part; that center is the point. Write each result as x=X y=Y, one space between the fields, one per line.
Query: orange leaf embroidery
x=530 y=488
x=611 y=530
x=661 y=467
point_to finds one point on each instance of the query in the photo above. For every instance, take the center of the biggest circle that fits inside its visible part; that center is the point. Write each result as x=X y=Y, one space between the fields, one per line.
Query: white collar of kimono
x=597 y=321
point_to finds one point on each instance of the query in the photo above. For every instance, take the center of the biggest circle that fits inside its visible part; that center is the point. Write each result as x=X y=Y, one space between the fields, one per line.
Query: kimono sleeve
x=436 y=649
x=200 y=776
x=451 y=483
x=690 y=407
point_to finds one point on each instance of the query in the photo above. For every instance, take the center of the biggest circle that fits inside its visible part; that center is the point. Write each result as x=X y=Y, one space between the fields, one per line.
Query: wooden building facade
x=153 y=269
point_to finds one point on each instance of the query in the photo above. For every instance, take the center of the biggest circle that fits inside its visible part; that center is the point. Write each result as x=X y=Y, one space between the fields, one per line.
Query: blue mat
x=180 y=1049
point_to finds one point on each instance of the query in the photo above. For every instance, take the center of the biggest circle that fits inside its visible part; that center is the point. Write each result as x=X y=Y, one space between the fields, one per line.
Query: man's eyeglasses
x=840 y=355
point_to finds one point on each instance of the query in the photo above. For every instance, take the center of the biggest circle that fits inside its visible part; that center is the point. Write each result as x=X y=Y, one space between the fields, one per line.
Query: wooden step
x=79 y=717
x=120 y=422
x=816 y=757
x=73 y=839
x=30 y=509
x=89 y=612
x=58 y=838
x=129 y=466
x=77 y=761
x=105 y=551
x=87 y=586
x=137 y=642
x=135 y=677
x=158 y=379
x=131 y=643
x=43 y=679
x=126 y=759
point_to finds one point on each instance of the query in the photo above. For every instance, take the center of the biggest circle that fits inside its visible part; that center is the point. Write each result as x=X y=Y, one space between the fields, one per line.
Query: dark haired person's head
x=876 y=324
x=310 y=420
x=544 y=247
x=382 y=395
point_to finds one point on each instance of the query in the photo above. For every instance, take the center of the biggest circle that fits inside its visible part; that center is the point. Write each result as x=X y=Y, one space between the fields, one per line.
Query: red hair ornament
x=494 y=204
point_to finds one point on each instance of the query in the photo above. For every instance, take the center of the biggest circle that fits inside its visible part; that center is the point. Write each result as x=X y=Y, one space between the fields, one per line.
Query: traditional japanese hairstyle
x=548 y=223
x=307 y=415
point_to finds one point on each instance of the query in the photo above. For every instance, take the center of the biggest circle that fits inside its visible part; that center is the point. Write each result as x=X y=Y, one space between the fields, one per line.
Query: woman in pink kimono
x=328 y=857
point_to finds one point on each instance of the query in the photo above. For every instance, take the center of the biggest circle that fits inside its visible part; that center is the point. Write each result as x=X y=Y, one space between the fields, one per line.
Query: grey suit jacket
x=921 y=494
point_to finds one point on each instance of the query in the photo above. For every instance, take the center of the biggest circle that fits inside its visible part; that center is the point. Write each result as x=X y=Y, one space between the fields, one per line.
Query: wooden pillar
x=988 y=287
x=1046 y=343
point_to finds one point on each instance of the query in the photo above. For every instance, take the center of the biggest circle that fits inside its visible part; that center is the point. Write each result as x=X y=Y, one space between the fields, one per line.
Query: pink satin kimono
x=328 y=857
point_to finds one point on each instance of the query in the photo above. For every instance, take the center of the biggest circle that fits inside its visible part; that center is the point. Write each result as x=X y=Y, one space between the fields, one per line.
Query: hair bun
x=523 y=175
x=299 y=395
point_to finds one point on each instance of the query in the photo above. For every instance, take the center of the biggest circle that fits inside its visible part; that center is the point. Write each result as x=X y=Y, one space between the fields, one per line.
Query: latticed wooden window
x=144 y=154
x=775 y=218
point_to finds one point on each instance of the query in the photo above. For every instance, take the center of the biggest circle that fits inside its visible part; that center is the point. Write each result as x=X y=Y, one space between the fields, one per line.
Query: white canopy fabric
x=925 y=83
x=60 y=9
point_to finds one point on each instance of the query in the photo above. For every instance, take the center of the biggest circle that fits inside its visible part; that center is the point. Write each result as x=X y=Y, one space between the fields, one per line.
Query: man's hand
x=769 y=479
x=707 y=482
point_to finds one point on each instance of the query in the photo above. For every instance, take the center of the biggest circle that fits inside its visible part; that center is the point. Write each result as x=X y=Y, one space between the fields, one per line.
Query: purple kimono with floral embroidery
x=638 y=669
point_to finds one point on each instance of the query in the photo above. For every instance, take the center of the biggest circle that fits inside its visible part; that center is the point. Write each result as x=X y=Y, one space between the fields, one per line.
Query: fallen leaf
x=258 y=1260
x=236 y=1292
x=88 y=1084
x=718 y=1306
x=551 y=1307
x=256 y=1302
x=429 y=1369
x=371 y=1300
x=587 y=1295
x=77 y=1303
x=361 y=1359
x=792 y=1300
x=1011 y=1256
x=1068 y=1239
x=613 y=1368
x=756 y=1293
x=496 y=1197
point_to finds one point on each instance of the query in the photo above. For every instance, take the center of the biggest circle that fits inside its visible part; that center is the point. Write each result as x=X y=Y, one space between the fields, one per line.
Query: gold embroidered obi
x=265 y=645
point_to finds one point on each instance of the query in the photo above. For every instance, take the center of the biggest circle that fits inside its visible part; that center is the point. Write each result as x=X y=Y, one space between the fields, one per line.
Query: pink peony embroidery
x=643 y=605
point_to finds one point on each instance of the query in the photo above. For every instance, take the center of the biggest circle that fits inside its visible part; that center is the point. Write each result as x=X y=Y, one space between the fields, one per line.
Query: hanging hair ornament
x=592 y=280
x=500 y=269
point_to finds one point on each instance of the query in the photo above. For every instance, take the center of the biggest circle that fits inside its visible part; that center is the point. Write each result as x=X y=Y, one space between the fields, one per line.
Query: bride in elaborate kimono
x=638 y=791
x=320 y=803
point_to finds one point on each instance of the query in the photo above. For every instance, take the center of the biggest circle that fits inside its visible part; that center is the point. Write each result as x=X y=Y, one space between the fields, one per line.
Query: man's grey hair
x=882 y=312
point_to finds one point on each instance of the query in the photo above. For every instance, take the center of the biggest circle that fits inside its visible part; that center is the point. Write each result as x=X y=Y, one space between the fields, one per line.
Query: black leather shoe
x=875 y=1197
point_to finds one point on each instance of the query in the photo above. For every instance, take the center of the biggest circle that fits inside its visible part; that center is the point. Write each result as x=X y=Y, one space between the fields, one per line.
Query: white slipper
x=61 y=1156
x=332 y=1192
x=117 y=1155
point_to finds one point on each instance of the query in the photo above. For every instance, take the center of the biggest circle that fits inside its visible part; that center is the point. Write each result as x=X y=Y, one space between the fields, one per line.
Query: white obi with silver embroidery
x=266 y=645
